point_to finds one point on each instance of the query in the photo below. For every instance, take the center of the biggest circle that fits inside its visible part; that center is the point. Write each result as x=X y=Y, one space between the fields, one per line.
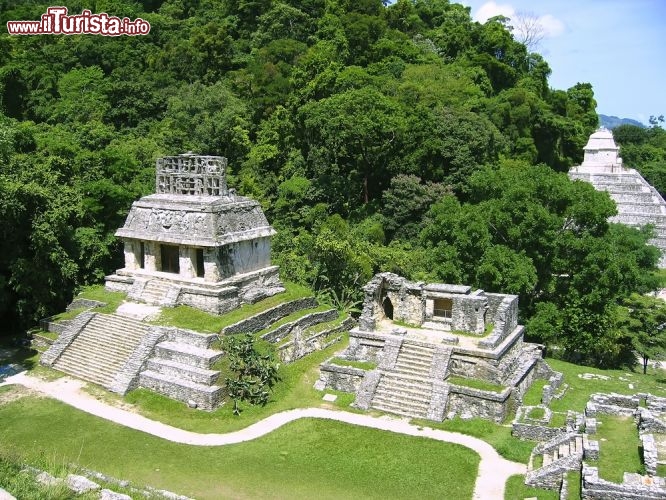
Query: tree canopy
x=403 y=137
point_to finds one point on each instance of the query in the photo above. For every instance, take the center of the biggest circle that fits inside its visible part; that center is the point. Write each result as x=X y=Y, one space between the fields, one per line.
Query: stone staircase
x=180 y=368
x=638 y=203
x=407 y=388
x=155 y=292
x=102 y=348
x=559 y=455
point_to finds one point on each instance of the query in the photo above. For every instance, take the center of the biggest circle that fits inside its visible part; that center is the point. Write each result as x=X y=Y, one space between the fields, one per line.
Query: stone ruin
x=430 y=343
x=195 y=242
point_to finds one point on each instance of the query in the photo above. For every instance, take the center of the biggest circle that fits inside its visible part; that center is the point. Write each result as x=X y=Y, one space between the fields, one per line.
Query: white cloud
x=491 y=9
x=551 y=25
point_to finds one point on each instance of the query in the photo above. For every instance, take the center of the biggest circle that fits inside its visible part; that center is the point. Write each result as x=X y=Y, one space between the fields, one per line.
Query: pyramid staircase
x=561 y=454
x=180 y=368
x=638 y=203
x=153 y=292
x=407 y=388
x=102 y=348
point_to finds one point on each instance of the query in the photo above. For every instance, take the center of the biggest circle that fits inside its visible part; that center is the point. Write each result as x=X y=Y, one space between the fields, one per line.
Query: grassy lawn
x=305 y=459
x=194 y=319
x=294 y=390
x=66 y=315
x=363 y=365
x=475 y=384
x=499 y=436
x=533 y=395
x=23 y=484
x=579 y=390
x=573 y=480
x=618 y=447
x=516 y=490
x=98 y=292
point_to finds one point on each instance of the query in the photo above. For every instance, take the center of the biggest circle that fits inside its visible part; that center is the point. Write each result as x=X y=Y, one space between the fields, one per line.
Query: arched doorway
x=388 y=308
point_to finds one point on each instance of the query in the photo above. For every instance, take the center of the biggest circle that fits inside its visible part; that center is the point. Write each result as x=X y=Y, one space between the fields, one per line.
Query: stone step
x=420 y=371
x=385 y=393
x=421 y=386
x=87 y=373
x=181 y=370
x=627 y=207
x=102 y=348
x=621 y=188
x=100 y=332
x=633 y=197
x=408 y=347
x=187 y=354
x=196 y=339
x=424 y=393
x=416 y=357
x=399 y=410
x=407 y=378
x=639 y=219
x=206 y=397
x=616 y=178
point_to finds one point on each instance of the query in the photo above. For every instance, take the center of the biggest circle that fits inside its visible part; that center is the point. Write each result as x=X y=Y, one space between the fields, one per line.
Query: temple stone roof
x=194 y=207
x=205 y=221
x=601 y=150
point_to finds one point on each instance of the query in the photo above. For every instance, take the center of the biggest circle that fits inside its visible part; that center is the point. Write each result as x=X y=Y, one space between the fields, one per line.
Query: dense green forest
x=403 y=137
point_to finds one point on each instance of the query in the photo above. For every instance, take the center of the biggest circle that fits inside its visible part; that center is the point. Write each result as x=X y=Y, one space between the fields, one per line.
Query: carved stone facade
x=195 y=241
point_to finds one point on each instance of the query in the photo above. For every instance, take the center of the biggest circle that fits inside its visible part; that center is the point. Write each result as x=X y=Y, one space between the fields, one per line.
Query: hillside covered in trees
x=404 y=138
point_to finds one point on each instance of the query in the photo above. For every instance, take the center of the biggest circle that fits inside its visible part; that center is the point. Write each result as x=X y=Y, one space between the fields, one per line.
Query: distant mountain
x=610 y=122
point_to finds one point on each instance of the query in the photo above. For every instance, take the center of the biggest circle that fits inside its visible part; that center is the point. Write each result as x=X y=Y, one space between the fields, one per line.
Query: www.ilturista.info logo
x=57 y=22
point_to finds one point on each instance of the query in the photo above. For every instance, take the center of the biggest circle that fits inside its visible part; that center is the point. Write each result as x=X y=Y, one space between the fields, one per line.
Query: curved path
x=493 y=469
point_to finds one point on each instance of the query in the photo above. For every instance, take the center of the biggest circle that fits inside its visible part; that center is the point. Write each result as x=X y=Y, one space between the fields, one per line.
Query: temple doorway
x=170 y=258
x=388 y=308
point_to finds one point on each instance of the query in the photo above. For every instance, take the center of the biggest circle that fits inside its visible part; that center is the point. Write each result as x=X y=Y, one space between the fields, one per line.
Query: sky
x=619 y=46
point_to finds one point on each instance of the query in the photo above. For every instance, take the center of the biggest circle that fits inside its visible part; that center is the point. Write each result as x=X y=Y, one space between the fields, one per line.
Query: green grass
x=44 y=333
x=533 y=395
x=98 y=292
x=618 y=447
x=404 y=324
x=498 y=436
x=294 y=390
x=23 y=484
x=516 y=490
x=661 y=470
x=579 y=390
x=558 y=419
x=573 y=481
x=194 y=319
x=473 y=383
x=661 y=276
x=537 y=413
x=293 y=317
x=308 y=458
x=363 y=365
x=68 y=315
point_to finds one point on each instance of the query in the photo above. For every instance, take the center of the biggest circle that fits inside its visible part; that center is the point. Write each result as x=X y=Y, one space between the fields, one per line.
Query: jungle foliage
x=403 y=137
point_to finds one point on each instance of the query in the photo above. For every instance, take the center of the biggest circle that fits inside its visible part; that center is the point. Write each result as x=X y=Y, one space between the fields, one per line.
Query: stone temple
x=638 y=203
x=435 y=351
x=195 y=242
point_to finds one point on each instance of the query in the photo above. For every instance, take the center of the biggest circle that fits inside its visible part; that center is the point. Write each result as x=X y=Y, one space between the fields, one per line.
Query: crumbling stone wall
x=633 y=486
x=339 y=378
x=468 y=402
